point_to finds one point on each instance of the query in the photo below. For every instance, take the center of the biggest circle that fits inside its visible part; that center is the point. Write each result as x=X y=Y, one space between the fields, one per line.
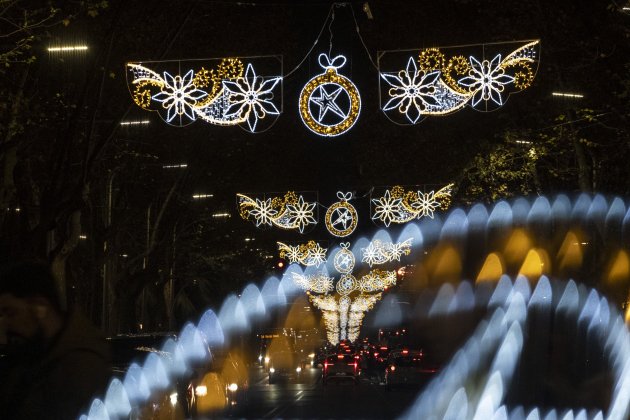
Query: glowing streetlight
x=567 y=95
x=68 y=48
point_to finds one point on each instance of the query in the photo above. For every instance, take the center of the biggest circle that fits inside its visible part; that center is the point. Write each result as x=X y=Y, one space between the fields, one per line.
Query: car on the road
x=407 y=367
x=284 y=365
x=341 y=366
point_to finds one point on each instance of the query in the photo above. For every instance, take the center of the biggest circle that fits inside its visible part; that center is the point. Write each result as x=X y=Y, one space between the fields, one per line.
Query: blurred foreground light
x=232 y=387
x=224 y=215
x=568 y=95
x=267 y=360
x=201 y=196
x=173 y=397
x=82 y=236
x=201 y=390
x=136 y=122
x=272 y=370
x=298 y=369
x=66 y=48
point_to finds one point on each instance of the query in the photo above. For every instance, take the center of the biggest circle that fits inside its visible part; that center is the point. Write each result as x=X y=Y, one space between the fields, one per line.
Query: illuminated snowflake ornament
x=436 y=83
x=426 y=204
x=309 y=254
x=387 y=209
x=486 y=80
x=290 y=213
x=301 y=214
x=251 y=97
x=400 y=206
x=216 y=91
x=179 y=95
x=412 y=91
x=263 y=212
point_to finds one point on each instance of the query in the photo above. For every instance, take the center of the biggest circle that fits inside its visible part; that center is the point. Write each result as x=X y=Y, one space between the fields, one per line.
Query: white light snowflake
x=293 y=254
x=486 y=80
x=372 y=254
x=250 y=97
x=316 y=256
x=179 y=95
x=387 y=209
x=412 y=91
x=426 y=204
x=301 y=214
x=263 y=212
x=397 y=250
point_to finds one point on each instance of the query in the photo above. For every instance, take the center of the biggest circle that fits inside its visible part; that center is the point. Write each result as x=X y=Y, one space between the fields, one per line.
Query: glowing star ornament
x=344 y=259
x=329 y=103
x=341 y=217
x=400 y=206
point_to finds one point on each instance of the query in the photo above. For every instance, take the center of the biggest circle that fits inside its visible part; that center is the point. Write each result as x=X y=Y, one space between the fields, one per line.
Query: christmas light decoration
x=400 y=206
x=377 y=281
x=378 y=252
x=316 y=283
x=308 y=254
x=437 y=85
x=292 y=212
x=329 y=103
x=344 y=259
x=251 y=97
x=222 y=95
x=341 y=217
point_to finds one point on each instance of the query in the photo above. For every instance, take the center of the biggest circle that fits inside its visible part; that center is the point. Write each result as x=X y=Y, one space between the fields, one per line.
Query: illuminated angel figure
x=179 y=95
x=486 y=80
x=387 y=209
x=412 y=90
x=250 y=97
x=263 y=212
x=301 y=214
x=426 y=204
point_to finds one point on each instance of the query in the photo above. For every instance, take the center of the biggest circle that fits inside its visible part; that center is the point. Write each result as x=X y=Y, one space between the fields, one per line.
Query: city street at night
x=315 y=209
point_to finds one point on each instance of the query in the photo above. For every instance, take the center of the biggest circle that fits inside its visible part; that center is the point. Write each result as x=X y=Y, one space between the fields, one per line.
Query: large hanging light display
x=440 y=81
x=217 y=91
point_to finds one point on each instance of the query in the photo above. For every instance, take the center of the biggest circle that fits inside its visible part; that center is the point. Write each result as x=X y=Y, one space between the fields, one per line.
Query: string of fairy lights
x=344 y=298
x=412 y=85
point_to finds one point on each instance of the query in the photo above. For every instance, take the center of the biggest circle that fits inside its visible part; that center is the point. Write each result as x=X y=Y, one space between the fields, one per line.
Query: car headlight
x=201 y=390
x=272 y=370
x=232 y=387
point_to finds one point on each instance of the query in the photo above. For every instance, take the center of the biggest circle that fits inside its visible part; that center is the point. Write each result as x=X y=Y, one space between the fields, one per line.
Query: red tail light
x=405 y=351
